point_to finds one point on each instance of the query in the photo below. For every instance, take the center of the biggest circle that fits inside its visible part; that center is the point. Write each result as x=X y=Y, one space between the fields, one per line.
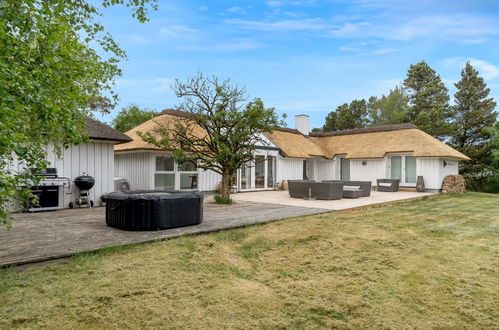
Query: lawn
x=432 y=263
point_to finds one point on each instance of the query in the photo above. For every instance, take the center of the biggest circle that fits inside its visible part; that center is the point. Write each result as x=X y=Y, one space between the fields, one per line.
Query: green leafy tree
x=231 y=128
x=132 y=116
x=389 y=109
x=55 y=62
x=473 y=125
x=346 y=116
x=428 y=100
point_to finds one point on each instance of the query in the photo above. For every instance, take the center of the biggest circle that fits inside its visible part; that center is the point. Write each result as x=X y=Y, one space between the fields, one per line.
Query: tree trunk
x=225 y=187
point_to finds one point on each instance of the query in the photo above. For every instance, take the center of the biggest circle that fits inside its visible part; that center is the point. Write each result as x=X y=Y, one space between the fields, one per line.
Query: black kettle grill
x=84 y=183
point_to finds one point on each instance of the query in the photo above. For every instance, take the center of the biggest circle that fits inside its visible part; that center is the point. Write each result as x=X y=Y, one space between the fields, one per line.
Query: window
x=270 y=171
x=259 y=171
x=164 y=181
x=169 y=175
x=410 y=169
x=165 y=163
x=188 y=166
x=345 y=169
x=188 y=175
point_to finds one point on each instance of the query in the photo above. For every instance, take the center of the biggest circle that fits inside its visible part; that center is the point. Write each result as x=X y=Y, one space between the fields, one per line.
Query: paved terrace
x=57 y=234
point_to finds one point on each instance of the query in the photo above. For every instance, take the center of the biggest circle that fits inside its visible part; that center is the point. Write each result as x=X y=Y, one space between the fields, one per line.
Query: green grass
x=432 y=263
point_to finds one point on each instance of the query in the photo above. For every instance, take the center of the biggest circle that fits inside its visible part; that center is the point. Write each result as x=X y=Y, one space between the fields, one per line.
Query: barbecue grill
x=84 y=183
x=48 y=191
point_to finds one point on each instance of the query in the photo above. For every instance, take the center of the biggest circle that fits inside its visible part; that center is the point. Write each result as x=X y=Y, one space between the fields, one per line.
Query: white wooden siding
x=451 y=168
x=208 y=180
x=137 y=168
x=95 y=159
x=373 y=170
x=289 y=169
x=324 y=169
x=428 y=168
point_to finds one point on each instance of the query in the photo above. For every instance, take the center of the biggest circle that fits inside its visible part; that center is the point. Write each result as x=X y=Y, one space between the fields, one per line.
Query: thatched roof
x=97 y=130
x=167 y=119
x=372 y=142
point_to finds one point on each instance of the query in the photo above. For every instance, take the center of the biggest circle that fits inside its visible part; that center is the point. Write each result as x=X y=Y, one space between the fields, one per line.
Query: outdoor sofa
x=317 y=190
x=351 y=188
x=388 y=185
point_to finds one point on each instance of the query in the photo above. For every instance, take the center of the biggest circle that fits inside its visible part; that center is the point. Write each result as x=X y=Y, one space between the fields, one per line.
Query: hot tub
x=153 y=210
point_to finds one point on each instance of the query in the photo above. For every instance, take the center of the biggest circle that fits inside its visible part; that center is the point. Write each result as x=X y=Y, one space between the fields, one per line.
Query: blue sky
x=301 y=56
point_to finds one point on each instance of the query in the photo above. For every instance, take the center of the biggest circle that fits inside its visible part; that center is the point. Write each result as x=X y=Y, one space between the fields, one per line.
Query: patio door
x=345 y=169
x=404 y=169
x=258 y=174
x=396 y=167
x=260 y=165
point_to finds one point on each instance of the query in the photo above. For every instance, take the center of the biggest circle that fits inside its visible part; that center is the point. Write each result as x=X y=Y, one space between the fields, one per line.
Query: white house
x=94 y=157
x=394 y=151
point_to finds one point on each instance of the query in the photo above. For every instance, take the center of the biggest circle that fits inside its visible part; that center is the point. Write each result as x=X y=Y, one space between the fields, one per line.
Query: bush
x=492 y=184
x=219 y=199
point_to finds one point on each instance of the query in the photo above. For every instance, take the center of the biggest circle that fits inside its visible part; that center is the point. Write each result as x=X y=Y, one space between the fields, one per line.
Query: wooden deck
x=49 y=235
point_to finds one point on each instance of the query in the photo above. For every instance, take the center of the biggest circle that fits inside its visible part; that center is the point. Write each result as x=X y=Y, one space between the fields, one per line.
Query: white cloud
x=236 y=10
x=203 y=8
x=138 y=38
x=229 y=46
x=458 y=28
x=312 y=24
x=177 y=31
x=486 y=69
x=274 y=3
x=350 y=30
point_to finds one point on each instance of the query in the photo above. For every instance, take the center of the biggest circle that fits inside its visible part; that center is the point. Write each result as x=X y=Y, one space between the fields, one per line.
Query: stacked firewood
x=454 y=184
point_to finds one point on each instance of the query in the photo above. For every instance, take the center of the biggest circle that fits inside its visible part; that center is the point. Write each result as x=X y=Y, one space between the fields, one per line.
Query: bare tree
x=215 y=127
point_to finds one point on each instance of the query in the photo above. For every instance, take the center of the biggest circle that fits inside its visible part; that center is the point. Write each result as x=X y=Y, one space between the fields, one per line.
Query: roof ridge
x=373 y=129
x=98 y=130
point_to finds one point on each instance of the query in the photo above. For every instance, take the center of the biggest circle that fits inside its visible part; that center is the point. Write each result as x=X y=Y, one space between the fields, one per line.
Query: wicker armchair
x=327 y=190
x=388 y=185
x=312 y=189
x=364 y=186
x=299 y=188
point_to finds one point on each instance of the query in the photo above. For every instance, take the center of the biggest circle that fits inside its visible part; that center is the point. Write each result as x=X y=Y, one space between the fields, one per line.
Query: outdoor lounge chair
x=312 y=189
x=299 y=188
x=363 y=186
x=388 y=185
x=327 y=190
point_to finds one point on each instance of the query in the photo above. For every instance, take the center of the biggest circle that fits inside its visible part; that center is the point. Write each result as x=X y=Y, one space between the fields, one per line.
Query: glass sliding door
x=345 y=169
x=259 y=172
x=246 y=176
x=404 y=169
x=396 y=167
x=271 y=164
x=410 y=169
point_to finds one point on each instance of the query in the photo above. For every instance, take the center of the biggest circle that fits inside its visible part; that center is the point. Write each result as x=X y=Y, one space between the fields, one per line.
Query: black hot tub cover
x=153 y=210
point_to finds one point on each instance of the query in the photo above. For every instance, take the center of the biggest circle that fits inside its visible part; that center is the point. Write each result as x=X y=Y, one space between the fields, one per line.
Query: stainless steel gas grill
x=49 y=191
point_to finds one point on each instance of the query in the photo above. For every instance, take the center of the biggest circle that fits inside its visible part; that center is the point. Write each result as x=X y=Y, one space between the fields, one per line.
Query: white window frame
x=266 y=154
x=176 y=172
x=403 y=178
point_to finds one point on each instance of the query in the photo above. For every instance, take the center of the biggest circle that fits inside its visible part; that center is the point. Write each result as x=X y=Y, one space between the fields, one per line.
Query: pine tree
x=474 y=121
x=346 y=116
x=428 y=100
